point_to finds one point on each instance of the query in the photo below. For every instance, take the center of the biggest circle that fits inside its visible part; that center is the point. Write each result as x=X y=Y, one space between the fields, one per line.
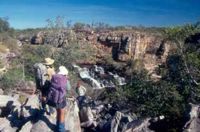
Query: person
x=86 y=116
x=81 y=91
x=57 y=96
x=50 y=71
x=50 y=68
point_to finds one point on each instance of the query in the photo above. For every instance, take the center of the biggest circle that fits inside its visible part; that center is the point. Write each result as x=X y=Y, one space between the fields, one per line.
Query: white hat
x=63 y=70
x=48 y=61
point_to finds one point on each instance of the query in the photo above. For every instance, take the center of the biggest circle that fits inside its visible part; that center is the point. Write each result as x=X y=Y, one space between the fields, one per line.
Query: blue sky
x=34 y=13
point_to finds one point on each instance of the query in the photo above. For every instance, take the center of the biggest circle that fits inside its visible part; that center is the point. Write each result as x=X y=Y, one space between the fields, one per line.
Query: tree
x=4 y=25
x=183 y=64
x=79 y=26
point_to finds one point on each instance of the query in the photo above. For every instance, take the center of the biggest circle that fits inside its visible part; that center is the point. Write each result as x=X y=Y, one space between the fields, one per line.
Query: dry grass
x=3 y=48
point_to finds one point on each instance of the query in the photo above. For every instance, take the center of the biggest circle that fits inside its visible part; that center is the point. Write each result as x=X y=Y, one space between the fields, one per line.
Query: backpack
x=40 y=71
x=57 y=90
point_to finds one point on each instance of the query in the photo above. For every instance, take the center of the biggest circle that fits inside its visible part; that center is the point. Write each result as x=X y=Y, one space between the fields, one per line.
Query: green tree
x=4 y=25
x=79 y=26
x=187 y=60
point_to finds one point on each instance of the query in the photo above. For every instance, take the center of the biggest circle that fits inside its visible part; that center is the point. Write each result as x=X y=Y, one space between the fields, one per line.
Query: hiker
x=50 y=72
x=44 y=72
x=85 y=113
x=80 y=90
x=57 y=96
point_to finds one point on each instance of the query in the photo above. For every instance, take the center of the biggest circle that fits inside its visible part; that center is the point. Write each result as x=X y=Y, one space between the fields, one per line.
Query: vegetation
x=170 y=96
x=11 y=79
x=4 y=25
x=178 y=86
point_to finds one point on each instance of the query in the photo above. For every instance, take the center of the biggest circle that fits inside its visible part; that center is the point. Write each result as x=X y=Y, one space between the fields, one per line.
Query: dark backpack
x=57 y=90
x=40 y=71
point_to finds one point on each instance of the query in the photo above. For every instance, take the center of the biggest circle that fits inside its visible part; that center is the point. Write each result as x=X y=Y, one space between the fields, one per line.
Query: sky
x=34 y=13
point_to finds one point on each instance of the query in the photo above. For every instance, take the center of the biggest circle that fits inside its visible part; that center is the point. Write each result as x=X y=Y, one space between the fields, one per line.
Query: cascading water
x=98 y=78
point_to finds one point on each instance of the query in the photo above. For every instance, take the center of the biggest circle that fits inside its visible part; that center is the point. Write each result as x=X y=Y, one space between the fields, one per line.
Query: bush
x=11 y=79
x=34 y=54
x=9 y=42
x=4 y=25
x=150 y=99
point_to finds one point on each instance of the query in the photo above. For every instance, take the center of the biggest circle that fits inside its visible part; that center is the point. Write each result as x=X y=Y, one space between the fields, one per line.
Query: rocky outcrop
x=193 y=125
x=138 y=126
x=38 y=38
x=5 y=100
x=57 y=38
x=28 y=117
x=5 y=126
x=150 y=49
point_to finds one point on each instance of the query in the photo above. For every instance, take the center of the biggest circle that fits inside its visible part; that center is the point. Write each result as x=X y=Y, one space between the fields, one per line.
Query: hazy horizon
x=34 y=13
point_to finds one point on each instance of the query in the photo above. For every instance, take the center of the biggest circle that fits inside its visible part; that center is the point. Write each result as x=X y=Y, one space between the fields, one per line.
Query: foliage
x=11 y=78
x=183 y=66
x=180 y=33
x=34 y=54
x=146 y=98
x=56 y=24
x=74 y=53
x=3 y=48
x=79 y=25
x=4 y=25
x=9 y=42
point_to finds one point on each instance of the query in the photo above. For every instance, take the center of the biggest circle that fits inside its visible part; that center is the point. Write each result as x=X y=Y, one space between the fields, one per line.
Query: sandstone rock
x=138 y=126
x=72 y=121
x=115 y=122
x=42 y=126
x=1 y=92
x=46 y=123
x=37 y=39
x=150 y=49
x=19 y=43
x=5 y=126
x=26 y=127
x=31 y=107
x=4 y=100
x=193 y=125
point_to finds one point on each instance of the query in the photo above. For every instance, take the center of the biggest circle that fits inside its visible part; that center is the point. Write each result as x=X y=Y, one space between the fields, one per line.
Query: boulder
x=193 y=125
x=86 y=117
x=31 y=107
x=5 y=100
x=19 y=43
x=46 y=123
x=138 y=126
x=37 y=39
x=42 y=126
x=5 y=126
x=26 y=127
x=115 y=121
x=72 y=121
x=1 y=91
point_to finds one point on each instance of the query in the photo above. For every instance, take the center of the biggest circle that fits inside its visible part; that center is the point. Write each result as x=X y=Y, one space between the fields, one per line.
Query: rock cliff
x=150 y=48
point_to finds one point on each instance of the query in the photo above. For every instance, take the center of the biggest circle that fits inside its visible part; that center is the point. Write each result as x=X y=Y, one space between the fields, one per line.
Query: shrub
x=4 y=25
x=34 y=54
x=11 y=79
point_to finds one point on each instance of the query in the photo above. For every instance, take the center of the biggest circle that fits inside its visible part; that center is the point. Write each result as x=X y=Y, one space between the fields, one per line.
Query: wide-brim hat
x=48 y=61
x=63 y=70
